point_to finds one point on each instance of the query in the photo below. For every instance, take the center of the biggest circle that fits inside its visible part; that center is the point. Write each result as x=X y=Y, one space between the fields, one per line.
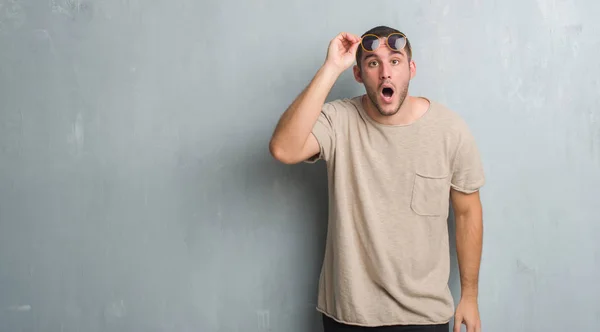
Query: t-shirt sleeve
x=324 y=132
x=467 y=174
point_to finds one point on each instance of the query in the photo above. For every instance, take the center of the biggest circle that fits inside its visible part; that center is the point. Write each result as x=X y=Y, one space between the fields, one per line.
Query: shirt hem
x=324 y=312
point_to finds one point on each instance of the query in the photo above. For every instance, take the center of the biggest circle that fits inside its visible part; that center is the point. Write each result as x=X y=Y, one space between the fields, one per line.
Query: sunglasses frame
x=386 y=41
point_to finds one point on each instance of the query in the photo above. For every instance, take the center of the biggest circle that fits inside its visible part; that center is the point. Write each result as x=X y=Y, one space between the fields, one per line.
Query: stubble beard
x=373 y=94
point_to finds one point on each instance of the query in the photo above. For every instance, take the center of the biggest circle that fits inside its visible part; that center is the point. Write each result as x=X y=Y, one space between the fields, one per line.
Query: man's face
x=386 y=74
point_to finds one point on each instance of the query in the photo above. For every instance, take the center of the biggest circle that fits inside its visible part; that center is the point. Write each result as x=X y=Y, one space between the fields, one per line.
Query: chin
x=387 y=111
x=388 y=108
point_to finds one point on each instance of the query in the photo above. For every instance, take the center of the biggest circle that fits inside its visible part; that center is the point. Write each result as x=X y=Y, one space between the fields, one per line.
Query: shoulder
x=340 y=110
x=445 y=114
x=448 y=121
x=342 y=104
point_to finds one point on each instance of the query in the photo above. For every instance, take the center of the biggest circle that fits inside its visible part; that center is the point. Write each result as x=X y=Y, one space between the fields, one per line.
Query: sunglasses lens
x=370 y=43
x=397 y=41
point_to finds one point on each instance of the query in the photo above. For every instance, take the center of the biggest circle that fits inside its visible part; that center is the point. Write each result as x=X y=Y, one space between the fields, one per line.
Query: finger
x=350 y=37
x=457 y=323
x=354 y=39
x=345 y=43
x=340 y=37
x=344 y=36
x=471 y=327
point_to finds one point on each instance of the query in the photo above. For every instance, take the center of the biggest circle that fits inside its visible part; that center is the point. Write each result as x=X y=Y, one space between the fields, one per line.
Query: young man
x=394 y=163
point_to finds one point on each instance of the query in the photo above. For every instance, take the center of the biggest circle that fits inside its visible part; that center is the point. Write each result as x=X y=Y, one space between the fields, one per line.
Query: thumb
x=354 y=47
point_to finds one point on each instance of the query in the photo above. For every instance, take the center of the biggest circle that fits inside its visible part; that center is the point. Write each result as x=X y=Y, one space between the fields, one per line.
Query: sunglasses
x=395 y=41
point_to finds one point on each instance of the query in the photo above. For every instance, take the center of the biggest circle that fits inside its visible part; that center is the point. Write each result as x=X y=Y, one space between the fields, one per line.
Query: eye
x=373 y=63
x=395 y=61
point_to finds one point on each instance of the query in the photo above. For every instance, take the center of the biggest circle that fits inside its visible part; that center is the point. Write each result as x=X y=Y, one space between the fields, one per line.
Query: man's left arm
x=467 y=179
x=469 y=235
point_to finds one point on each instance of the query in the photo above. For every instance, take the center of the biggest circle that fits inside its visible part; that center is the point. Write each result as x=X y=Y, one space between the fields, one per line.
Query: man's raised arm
x=292 y=141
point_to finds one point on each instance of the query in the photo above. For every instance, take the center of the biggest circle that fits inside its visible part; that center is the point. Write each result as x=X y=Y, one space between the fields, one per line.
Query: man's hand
x=341 y=53
x=467 y=313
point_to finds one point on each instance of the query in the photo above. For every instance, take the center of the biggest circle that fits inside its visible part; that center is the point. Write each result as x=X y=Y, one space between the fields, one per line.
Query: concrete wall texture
x=137 y=192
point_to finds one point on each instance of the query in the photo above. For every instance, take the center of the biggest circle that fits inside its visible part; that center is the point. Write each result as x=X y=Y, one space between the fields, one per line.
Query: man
x=394 y=164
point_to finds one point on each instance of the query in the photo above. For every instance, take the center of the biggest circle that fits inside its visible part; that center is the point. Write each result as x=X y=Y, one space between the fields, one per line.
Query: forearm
x=296 y=123
x=469 y=235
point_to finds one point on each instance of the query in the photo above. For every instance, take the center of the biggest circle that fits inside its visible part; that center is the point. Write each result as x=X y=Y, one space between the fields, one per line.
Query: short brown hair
x=382 y=31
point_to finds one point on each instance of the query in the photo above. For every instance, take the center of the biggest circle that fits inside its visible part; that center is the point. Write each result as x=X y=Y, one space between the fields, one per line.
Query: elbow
x=280 y=154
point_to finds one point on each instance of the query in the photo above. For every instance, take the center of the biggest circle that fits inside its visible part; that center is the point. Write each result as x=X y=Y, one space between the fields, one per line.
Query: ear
x=413 y=69
x=356 y=71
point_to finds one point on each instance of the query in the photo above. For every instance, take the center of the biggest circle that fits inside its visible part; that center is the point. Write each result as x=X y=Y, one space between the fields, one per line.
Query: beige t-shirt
x=387 y=258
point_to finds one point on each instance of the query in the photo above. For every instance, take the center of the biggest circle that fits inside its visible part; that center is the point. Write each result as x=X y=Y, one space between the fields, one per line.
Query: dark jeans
x=330 y=325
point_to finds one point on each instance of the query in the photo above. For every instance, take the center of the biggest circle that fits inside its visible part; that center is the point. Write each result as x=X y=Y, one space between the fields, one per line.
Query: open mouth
x=387 y=93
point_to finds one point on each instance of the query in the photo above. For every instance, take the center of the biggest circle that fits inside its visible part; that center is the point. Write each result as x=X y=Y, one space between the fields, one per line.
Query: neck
x=411 y=110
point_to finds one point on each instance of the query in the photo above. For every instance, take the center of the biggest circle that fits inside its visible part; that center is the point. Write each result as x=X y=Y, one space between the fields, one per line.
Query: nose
x=386 y=72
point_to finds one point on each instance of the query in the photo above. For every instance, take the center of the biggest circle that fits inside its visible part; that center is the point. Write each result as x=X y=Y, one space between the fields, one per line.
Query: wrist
x=470 y=295
x=331 y=70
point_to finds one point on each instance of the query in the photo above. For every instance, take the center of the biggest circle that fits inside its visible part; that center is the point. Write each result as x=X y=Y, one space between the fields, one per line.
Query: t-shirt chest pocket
x=430 y=193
